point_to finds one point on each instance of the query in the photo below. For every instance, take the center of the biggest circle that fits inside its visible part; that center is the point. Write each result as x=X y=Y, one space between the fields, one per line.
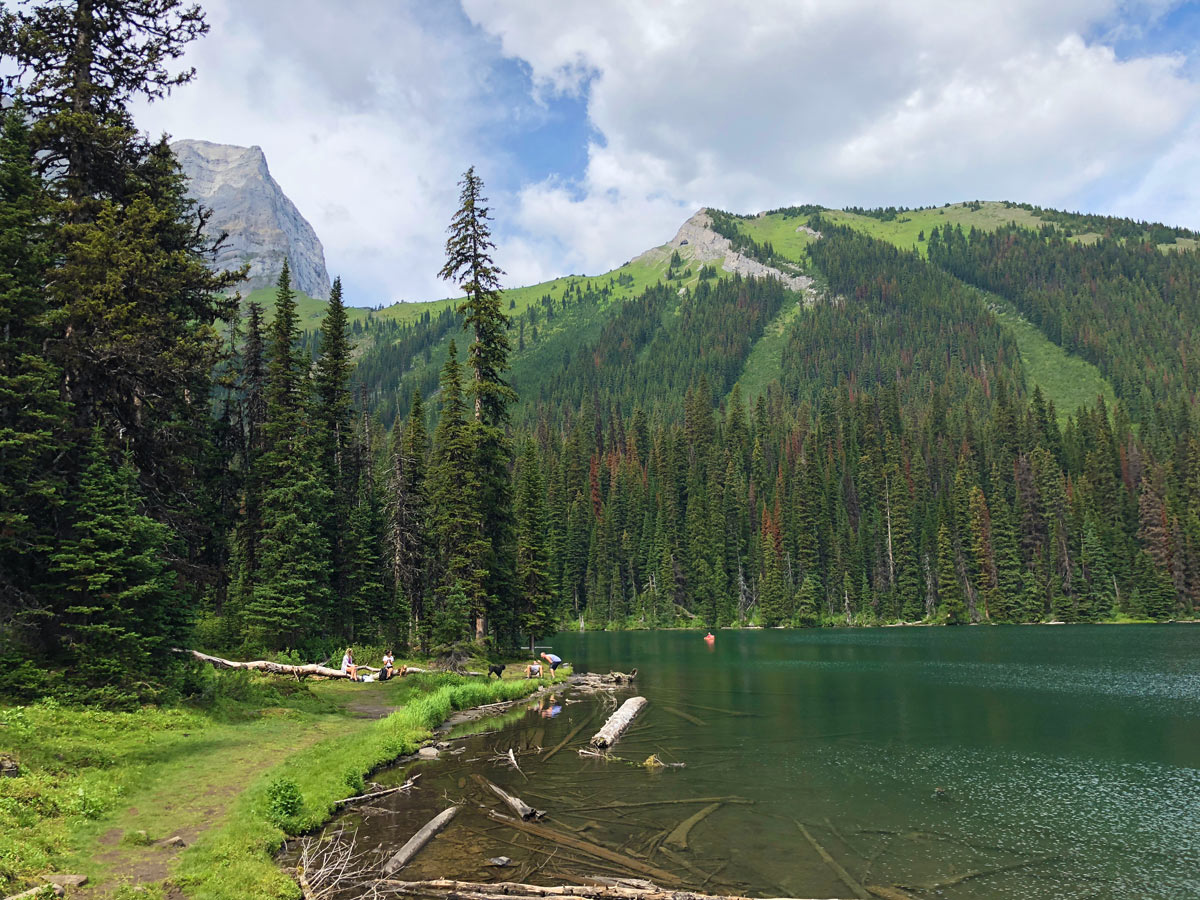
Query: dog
x=497 y=670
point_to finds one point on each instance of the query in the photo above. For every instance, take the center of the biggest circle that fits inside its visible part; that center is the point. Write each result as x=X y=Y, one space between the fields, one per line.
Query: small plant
x=137 y=838
x=283 y=800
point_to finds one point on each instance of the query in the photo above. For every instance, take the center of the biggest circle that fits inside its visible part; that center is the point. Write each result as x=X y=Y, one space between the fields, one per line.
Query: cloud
x=369 y=111
x=360 y=108
x=759 y=103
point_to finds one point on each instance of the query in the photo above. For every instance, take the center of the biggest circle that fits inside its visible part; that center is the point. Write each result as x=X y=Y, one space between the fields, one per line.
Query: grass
x=765 y=362
x=92 y=779
x=787 y=241
x=906 y=228
x=1069 y=380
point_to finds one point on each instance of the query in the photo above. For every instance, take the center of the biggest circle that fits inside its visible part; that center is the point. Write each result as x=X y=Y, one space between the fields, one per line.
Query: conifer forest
x=179 y=469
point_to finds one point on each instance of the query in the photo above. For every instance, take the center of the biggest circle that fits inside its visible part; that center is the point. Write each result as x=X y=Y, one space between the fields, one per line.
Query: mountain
x=263 y=226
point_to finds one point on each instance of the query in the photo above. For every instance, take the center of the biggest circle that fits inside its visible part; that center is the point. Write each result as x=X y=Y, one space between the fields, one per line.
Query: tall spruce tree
x=456 y=521
x=538 y=616
x=469 y=265
x=122 y=613
x=291 y=596
x=408 y=537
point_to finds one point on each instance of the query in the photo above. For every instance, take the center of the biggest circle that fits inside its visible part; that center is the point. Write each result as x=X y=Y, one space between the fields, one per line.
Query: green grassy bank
x=252 y=761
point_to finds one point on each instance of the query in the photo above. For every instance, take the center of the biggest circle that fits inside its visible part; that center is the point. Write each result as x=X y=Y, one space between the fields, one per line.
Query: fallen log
x=687 y=717
x=265 y=665
x=679 y=837
x=392 y=790
x=39 y=891
x=570 y=736
x=591 y=849
x=404 y=855
x=508 y=890
x=618 y=722
x=516 y=804
x=847 y=879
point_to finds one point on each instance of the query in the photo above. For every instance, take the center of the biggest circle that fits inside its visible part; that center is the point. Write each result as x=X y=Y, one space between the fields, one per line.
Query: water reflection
x=1018 y=762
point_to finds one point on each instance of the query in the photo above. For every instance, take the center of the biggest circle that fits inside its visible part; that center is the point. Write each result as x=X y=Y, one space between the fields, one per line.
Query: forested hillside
x=667 y=444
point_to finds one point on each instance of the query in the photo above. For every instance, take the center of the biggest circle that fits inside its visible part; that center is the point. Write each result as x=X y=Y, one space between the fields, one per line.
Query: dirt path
x=192 y=793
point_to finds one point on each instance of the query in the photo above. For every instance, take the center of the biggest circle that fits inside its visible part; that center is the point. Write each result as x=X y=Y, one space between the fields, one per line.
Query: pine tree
x=538 y=615
x=470 y=266
x=291 y=597
x=122 y=611
x=953 y=604
x=408 y=539
x=456 y=521
x=31 y=407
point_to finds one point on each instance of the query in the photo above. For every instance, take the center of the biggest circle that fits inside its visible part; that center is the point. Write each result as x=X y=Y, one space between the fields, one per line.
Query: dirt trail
x=196 y=797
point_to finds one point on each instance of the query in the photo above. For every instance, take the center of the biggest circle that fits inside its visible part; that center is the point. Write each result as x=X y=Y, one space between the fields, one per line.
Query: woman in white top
x=348 y=665
x=389 y=662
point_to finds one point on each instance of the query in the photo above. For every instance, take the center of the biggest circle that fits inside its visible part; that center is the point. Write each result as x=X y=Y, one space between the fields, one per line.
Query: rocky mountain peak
x=263 y=226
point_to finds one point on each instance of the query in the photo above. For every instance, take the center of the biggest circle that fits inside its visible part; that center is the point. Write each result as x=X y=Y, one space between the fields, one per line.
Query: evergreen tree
x=291 y=596
x=456 y=521
x=533 y=578
x=470 y=266
x=408 y=540
x=952 y=602
x=122 y=613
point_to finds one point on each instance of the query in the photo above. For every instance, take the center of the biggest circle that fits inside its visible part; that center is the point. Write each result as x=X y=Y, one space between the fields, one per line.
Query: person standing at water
x=348 y=665
x=553 y=661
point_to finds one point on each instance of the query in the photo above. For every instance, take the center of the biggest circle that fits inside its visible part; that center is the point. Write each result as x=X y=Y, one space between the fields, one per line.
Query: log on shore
x=404 y=855
x=618 y=722
x=515 y=803
x=507 y=890
x=265 y=665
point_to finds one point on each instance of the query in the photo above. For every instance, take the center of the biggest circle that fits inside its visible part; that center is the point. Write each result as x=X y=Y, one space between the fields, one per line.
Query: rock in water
x=263 y=225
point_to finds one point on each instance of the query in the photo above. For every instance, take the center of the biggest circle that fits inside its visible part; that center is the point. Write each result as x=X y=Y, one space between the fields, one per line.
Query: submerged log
x=404 y=855
x=507 y=890
x=847 y=879
x=618 y=722
x=679 y=837
x=570 y=736
x=515 y=803
x=591 y=849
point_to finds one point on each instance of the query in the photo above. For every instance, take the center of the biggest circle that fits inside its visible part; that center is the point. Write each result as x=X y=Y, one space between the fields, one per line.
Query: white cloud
x=367 y=112
x=758 y=103
x=359 y=109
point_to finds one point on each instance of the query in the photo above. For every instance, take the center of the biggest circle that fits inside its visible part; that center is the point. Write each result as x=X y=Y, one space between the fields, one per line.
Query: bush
x=283 y=801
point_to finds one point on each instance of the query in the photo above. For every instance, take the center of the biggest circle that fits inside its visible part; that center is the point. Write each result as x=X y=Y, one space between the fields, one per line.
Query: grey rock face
x=263 y=225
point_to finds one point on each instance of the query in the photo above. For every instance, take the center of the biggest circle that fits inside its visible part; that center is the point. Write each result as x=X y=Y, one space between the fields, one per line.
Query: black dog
x=497 y=670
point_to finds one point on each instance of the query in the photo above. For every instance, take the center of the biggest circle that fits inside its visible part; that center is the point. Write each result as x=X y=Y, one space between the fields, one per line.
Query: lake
x=1023 y=762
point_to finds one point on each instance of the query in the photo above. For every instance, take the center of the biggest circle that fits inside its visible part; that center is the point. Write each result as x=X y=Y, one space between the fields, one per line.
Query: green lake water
x=1068 y=758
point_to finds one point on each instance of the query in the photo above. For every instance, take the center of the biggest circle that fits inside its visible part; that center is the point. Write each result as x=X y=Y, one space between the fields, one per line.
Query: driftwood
x=679 y=837
x=392 y=790
x=622 y=889
x=591 y=849
x=405 y=854
x=39 y=891
x=618 y=722
x=570 y=736
x=516 y=804
x=847 y=879
x=265 y=665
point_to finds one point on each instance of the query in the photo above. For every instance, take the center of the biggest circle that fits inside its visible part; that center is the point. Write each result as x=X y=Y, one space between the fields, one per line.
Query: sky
x=598 y=127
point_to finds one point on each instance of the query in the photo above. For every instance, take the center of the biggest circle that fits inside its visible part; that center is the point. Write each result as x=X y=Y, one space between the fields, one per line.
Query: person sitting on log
x=553 y=661
x=533 y=670
x=389 y=663
x=348 y=665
